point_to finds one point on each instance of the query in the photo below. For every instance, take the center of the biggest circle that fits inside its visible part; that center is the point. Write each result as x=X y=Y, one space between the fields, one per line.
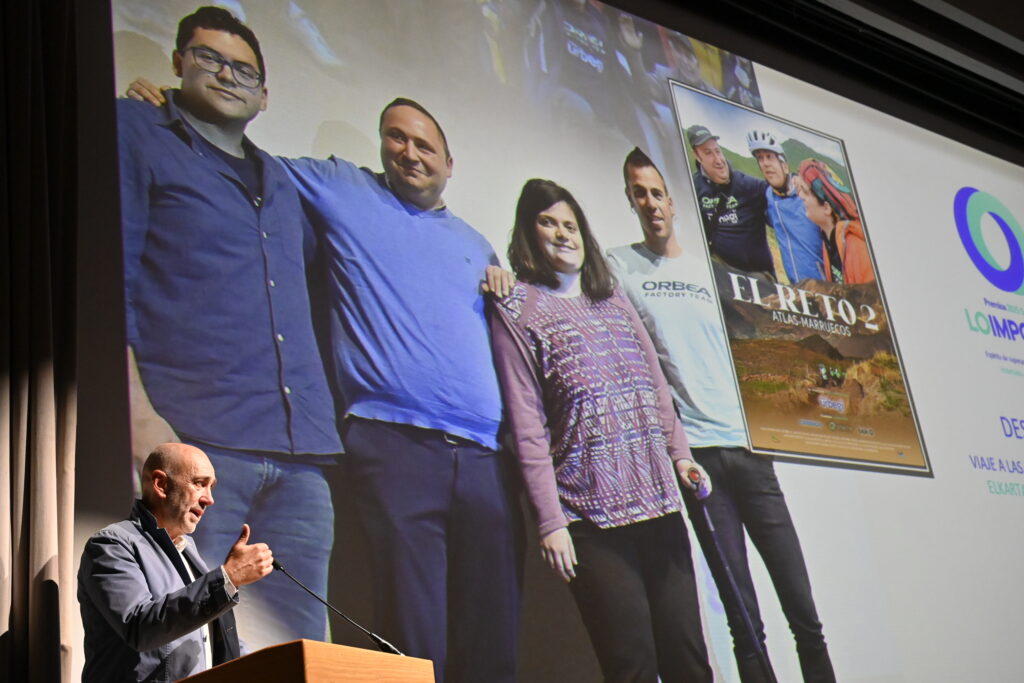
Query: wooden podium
x=309 y=660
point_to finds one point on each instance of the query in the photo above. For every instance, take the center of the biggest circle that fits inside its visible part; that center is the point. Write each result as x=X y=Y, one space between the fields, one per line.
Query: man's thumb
x=243 y=537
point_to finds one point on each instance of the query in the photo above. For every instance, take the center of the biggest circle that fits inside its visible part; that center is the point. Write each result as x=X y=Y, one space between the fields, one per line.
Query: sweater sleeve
x=675 y=436
x=524 y=406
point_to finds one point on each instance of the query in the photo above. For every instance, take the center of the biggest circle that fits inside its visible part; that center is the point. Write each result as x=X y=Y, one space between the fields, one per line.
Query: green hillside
x=746 y=164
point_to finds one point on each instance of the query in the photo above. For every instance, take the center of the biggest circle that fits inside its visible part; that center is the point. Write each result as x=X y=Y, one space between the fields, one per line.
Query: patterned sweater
x=588 y=407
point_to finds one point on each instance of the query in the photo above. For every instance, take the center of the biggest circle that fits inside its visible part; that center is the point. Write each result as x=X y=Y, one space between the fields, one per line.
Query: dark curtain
x=38 y=206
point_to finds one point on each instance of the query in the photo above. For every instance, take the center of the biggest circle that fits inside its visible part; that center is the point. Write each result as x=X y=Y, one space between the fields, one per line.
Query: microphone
x=382 y=645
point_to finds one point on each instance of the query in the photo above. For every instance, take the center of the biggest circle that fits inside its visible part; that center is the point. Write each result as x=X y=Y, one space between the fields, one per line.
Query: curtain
x=38 y=196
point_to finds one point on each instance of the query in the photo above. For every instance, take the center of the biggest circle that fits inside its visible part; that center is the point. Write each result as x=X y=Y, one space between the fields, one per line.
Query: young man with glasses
x=221 y=344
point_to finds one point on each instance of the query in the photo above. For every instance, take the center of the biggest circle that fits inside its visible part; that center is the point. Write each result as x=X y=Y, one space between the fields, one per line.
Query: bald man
x=151 y=609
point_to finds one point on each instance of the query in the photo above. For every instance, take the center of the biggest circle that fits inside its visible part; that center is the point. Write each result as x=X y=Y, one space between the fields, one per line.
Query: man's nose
x=226 y=74
x=409 y=150
x=208 y=495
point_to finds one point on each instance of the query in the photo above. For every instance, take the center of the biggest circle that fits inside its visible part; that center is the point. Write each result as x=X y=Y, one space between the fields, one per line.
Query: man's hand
x=560 y=554
x=144 y=91
x=694 y=478
x=498 y=282
x=248 y=563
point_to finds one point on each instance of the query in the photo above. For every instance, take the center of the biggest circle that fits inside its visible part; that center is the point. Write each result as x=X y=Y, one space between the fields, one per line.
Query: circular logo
x=969 y=207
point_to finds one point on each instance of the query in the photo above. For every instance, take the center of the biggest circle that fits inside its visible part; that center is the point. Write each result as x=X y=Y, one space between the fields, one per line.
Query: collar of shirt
x=387 y=183
x=790 y=188
x=175 y=120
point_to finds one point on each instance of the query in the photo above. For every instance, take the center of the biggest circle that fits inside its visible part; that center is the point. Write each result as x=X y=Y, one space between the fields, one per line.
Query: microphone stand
x=382 y=645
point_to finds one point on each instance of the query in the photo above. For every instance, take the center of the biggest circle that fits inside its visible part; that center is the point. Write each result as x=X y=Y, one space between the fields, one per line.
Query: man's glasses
x=213 y=62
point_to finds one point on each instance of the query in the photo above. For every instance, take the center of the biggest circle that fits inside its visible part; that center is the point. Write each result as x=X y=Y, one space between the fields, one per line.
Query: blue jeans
x=445 y=537
x=287 y=506
x=747 y=497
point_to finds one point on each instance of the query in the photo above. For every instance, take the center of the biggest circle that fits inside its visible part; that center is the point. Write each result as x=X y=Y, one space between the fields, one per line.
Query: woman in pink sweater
x=599 y=444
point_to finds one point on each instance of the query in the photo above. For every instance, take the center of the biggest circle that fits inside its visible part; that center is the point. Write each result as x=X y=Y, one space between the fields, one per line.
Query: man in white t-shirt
x=674 y=293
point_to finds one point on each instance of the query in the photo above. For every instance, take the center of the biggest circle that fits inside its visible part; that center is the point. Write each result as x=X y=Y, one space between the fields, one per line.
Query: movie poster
x=817 y=365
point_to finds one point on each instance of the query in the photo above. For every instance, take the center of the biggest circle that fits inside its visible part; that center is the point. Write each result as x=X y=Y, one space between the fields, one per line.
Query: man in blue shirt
x=421 y=404
x=220 y=337
x=732 y=207
x=798 y=237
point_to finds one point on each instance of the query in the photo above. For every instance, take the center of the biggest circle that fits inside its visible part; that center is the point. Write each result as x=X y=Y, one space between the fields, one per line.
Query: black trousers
x=635 y=590
x=747 y=499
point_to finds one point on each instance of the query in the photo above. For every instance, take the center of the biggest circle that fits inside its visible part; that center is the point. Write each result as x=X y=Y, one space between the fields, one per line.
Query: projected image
x=308 y=213
x=816 y=361
x=313 y=193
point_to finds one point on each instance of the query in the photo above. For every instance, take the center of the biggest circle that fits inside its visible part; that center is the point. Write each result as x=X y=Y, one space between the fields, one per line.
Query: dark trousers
x=635 y=590
x=747 y=497
x=445 y=536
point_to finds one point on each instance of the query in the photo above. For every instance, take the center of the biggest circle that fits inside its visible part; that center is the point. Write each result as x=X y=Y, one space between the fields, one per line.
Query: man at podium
x=151 y=608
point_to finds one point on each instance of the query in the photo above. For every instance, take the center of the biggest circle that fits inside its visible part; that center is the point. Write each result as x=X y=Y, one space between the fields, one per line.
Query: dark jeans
x=635 y=590
x=446 y=541
x=287 y=506
x=747 y=496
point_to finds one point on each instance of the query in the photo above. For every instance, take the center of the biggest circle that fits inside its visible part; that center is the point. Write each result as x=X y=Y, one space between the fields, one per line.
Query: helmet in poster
x=763 y=139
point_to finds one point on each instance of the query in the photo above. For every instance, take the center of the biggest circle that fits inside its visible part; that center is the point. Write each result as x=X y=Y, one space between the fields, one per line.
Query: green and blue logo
x=969 y=207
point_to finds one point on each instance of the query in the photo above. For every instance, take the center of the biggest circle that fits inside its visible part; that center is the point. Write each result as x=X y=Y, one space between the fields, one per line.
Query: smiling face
x=774 y=169
x=559 y=238
x=710 y=157
x=183 y=492
x=646 y=191
x=218 y=98
x=818 y=211
x=414 y=155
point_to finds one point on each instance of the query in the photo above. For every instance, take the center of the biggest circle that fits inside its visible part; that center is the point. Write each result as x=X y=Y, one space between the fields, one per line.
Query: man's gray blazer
x=140 y=611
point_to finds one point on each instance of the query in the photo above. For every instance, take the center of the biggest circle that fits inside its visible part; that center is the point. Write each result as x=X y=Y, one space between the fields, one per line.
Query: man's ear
x=176 y=63
x=161 y=484
x=263 y=98
x=450 y=163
